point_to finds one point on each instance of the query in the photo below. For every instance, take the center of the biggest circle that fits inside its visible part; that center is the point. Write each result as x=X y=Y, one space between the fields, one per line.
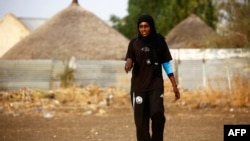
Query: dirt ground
x=70 y=124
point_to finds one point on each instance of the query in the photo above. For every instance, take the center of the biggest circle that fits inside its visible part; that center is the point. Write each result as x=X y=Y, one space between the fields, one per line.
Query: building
x=12 y=30
x=73 y=31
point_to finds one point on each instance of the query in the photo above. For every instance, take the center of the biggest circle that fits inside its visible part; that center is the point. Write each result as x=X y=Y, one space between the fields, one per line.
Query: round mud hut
x=73 y=31
x=190 y=33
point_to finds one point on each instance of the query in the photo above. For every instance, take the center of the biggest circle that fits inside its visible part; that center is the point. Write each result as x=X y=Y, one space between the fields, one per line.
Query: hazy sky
x=47 y=8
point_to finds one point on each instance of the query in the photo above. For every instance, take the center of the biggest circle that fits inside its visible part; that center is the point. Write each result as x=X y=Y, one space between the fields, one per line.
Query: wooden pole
x=229 y=76
x=75 y=2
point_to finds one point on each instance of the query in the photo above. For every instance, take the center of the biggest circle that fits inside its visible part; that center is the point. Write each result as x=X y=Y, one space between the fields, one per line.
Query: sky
x=47 y=8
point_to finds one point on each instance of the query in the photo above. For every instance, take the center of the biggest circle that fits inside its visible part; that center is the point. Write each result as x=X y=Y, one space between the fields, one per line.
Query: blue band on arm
x=168 y=68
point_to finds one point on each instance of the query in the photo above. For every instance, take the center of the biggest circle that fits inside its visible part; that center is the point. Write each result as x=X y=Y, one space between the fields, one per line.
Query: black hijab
x=147 y=18
x=150 y=21
x=151 y=40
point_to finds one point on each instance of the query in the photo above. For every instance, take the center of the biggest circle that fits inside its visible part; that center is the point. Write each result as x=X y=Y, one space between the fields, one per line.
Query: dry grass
x=189 y=33
x=93 y=99
x=238 y=96
x=73 y=31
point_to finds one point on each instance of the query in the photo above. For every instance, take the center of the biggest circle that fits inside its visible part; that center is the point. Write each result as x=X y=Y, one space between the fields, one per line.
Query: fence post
x=204 y=78
x=228 y=76
x=51 y=83
x=176 y=64
x=204 y=72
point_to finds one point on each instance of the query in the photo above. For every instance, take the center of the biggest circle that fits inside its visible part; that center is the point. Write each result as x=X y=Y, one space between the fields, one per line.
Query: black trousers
x=148 y=105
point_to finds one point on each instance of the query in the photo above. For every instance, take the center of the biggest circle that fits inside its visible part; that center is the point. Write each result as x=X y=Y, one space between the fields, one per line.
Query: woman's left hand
x=177 y=93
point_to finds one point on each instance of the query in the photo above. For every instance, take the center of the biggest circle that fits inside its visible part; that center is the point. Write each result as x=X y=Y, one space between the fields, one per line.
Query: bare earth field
x=116 y=124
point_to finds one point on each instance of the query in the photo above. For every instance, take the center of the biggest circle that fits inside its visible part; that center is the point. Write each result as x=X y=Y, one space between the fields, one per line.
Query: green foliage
x=167 y=14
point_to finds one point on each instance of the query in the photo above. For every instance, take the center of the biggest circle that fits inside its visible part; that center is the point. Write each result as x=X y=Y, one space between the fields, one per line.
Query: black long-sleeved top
x=147 y=62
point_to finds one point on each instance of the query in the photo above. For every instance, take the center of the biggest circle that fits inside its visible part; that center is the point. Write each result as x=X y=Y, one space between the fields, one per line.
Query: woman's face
x=144 y=29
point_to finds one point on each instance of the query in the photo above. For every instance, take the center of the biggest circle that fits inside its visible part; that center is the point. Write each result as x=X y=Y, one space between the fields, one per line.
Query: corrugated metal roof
x=25 y=73
x=44 y=74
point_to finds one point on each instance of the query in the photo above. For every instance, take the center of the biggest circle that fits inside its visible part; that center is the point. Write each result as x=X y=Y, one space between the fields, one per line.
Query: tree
x=167 y=14
x=236 y=14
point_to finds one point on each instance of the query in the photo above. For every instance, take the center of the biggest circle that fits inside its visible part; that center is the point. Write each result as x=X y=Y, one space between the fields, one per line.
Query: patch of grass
x=218 y=98
x=89 y=98
x=67 y=77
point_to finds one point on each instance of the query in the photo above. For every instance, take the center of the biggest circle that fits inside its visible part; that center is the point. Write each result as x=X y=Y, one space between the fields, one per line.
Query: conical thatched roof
x=11 y=31
x=189 y=33
x=71 y=32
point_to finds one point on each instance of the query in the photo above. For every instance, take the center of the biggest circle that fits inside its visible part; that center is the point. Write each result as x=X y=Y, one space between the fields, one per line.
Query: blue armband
x=168 y=68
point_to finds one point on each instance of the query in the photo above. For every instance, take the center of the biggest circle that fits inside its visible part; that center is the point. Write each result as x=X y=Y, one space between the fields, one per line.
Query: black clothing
x=147 y=60
x=149 y=105
x=147 y=54
x=150 y=21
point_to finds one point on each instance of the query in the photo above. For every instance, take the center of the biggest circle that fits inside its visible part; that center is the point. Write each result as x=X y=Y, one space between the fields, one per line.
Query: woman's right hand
x=128 y=65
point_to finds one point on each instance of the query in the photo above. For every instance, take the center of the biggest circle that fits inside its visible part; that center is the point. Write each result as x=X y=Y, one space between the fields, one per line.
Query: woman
x=146 y=55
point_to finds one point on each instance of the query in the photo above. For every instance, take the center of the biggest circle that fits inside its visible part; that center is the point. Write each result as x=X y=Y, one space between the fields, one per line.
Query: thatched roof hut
x=73 y=31
x=190 y=33
x=11 y=31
